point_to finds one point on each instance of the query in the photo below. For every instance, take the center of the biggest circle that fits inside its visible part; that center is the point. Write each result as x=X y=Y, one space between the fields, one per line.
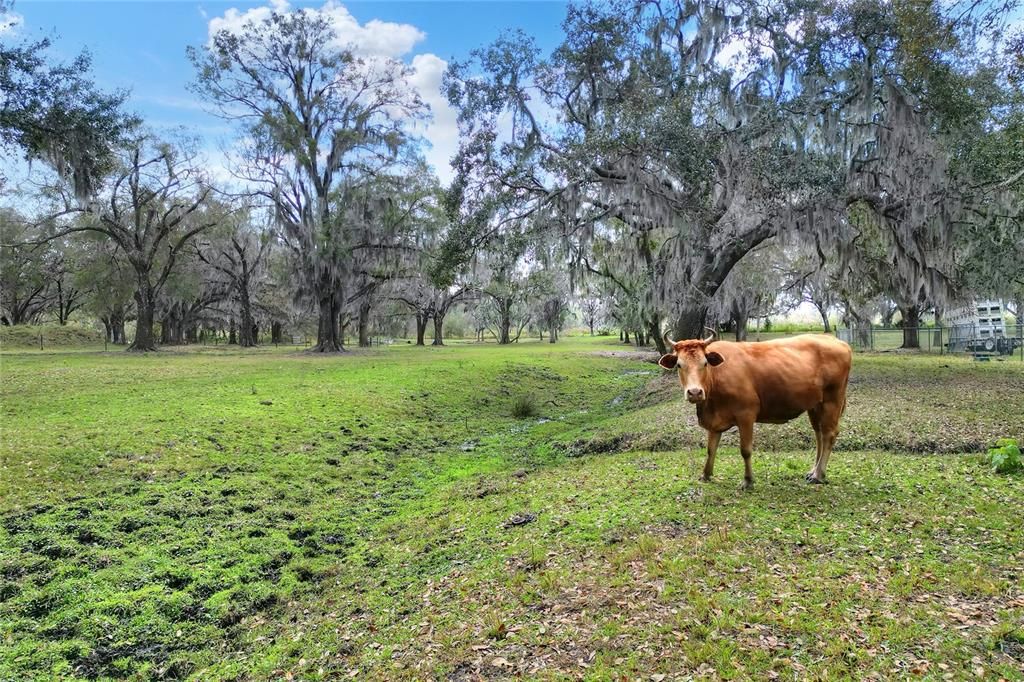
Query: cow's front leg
x=709 y=463
x=747 y=450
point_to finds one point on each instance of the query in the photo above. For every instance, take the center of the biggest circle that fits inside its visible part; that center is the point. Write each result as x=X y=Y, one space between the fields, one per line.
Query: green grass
x=218 y=515
x=54 y=336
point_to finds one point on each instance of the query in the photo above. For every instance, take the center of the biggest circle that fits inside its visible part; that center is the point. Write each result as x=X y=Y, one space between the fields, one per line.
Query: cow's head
x=693 y=360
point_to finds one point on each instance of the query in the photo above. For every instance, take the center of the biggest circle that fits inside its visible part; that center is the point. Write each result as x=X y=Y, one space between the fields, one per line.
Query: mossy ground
x=213 y=515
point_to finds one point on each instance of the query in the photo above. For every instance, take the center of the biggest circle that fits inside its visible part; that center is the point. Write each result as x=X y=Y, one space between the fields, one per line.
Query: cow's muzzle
x=695 y=395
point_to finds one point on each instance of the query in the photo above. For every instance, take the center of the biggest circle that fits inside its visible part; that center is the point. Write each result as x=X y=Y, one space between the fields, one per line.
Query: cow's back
x=780 y=379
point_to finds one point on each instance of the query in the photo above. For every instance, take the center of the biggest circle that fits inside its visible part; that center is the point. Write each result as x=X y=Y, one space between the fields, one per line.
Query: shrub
x=524 y=406
x=1005 y=456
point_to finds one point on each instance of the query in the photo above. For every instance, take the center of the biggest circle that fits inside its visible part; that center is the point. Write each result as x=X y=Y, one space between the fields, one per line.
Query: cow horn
x=670 y=342
x=713 y=335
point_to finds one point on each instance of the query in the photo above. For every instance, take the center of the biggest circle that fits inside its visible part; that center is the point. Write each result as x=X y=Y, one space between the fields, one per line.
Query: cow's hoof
x=747 y=485
x=809 y=475
x=816 y=480
x=705 y=479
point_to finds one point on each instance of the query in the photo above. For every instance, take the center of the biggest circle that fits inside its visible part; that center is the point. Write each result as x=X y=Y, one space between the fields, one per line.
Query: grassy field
x=218 y=515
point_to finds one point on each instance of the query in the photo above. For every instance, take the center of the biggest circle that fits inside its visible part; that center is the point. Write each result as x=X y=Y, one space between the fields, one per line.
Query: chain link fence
x=962 y=339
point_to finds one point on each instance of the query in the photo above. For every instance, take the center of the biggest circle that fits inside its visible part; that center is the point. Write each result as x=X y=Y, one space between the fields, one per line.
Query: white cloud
x=10 y=21
x=375 y=38
x=442 y=131
x=378 y=40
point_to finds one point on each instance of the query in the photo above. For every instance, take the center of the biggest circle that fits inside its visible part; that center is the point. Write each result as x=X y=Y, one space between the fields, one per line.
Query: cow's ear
x=669 y=361
x=714 y=359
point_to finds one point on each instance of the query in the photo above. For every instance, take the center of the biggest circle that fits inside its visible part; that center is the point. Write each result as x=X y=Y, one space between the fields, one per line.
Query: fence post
x=871 y=339
x=942 y=346
x=40 y=341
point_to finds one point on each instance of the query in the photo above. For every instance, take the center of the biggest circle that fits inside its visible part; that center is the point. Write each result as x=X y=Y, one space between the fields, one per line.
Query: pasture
x=213 y=514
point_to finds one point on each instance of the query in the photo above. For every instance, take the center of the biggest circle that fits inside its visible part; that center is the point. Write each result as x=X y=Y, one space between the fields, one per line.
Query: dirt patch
x=642 y=355
x=599 y=445
x=659 y=390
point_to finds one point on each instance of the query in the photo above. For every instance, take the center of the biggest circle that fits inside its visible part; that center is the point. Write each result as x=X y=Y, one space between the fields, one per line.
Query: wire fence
x=963 y=339
x=980 y=343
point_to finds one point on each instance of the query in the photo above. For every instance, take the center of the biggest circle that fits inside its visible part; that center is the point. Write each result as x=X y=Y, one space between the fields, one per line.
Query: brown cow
x=771 y=382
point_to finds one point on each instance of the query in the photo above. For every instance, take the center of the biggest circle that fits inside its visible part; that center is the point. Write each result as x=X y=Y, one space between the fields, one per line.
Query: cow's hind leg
x=830 y=415
x=747 y=450
x=709 y=463
x=814 y=414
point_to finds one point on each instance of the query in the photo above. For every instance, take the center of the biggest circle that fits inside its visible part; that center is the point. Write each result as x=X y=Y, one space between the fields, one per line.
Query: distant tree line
x=667 y=167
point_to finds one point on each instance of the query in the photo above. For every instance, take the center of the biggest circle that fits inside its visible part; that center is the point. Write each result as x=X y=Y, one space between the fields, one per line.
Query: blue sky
x=140 y=46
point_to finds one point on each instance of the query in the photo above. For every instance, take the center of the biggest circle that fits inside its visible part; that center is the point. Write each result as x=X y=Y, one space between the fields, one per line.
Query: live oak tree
x=68 y=294
x=398 y=248
x=807 y=277
x=422 y=282
x=505 y=286
x=989 y=248
x=590 y=310
x=641 y=117
x=195 y=295
x=54 y=112
x=751 y=290
x=925 y=99
x=110 y=282
x=24 y=278
x=236 y=252
x=150 y=207
x=317 y=121
x=650 y=132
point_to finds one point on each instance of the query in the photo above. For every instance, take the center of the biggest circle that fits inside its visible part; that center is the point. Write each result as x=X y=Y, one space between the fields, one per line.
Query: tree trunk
x=438 y=329
x=552 y=335
x=654 y=332
x=740 y=318
x=625 y=335
x=690 y=323
x=108 y=329
x=421 y=327
x=171 y=326
x=505 y=324
x=275 y=332
x=888 y=315
x=246 y=332
x=145 y=303
x=232 y=332
x=328 y=332
x=823 y=311
x=911 y=321
x=364 y=324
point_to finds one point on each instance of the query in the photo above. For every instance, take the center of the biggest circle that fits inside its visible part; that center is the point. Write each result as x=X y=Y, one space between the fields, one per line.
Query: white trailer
x=978 y=326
